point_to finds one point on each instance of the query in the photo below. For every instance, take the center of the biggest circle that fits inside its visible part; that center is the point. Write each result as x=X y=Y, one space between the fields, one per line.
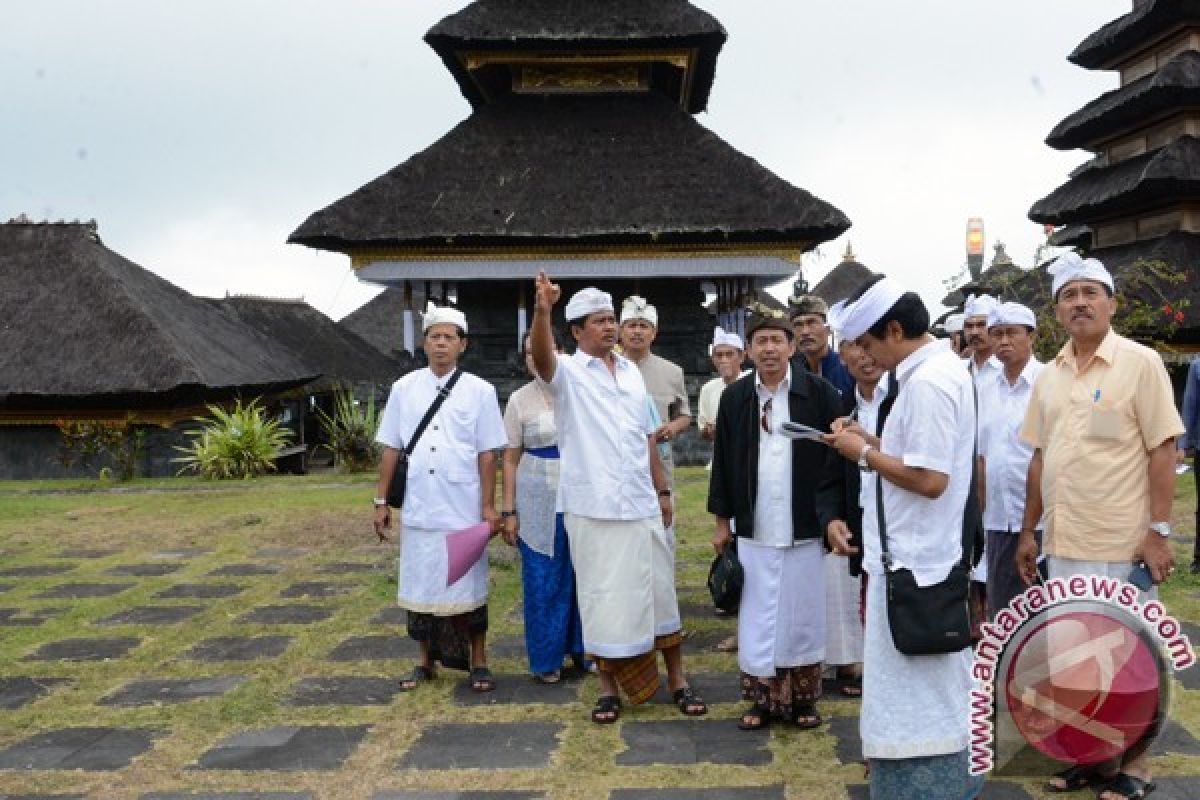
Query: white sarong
x=625 y=582
x=781 y=620
x=843 y=625
x=423 y=576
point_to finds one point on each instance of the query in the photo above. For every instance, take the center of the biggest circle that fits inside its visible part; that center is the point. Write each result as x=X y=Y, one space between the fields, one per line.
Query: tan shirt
x=1096 y=428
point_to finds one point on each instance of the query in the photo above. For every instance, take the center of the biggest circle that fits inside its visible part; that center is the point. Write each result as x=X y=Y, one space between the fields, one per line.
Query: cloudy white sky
x=200 y=134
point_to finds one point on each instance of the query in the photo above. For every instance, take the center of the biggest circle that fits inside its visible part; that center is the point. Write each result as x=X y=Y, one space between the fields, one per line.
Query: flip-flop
x=548 y=678
x=482 y=680
x=419 y=675
x=1129 y=787
x=606 y=704
x=1074 y=778
x=850 y=686
x=689 y=702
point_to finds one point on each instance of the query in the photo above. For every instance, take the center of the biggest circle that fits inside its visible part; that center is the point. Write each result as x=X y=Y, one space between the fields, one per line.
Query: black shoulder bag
x=395 y=495
x=933 y=619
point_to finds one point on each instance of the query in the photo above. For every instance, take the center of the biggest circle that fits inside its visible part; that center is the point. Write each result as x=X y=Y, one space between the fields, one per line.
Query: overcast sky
x=200 y=134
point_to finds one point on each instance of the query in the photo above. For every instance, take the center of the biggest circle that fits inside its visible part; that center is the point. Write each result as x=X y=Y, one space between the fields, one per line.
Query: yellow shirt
x=1096 y=428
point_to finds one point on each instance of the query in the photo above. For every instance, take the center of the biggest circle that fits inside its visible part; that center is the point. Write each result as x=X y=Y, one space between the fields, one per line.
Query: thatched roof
x=1144 y=25
x=81 y=325
x=574 y=25
x=843 y=280
x=1071 y=236
x=1147 y=181
x=998 y=280
x=378 y=321
x=596 y=170
x=1175 y=86
x=324 y=346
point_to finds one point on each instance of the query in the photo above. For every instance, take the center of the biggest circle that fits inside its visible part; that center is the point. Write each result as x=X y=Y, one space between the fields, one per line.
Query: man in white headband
x=664 y=379
x=954 y=327
x=975 y=336
x=923 y=469
x=451 y=485
x=1102 y=422
x=616 y=502
x=1012 y=328
x=728 y=352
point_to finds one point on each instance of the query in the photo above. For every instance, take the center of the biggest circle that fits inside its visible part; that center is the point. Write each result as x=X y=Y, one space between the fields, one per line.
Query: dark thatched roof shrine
x=375 y=320
x=843 y=280
x=1172 y=172
x=687 y=39
x=578 y=170
x=1174 y=86
x=82 y=326
x=1147 y=23
x=326 y=347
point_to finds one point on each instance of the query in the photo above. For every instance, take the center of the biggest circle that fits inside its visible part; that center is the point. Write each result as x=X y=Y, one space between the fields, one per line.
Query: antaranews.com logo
x=1076 y=668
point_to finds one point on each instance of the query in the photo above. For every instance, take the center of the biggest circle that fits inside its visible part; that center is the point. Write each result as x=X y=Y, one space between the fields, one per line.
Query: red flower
x=1167 y=309
x=1179 y=316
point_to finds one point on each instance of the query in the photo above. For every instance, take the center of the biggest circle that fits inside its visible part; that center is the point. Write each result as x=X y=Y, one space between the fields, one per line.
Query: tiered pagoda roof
x=843 y=280
x=1150 y=22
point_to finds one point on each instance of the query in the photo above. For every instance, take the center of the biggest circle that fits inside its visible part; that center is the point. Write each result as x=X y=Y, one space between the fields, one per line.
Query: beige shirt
x=664 y=383
x=1096 y=428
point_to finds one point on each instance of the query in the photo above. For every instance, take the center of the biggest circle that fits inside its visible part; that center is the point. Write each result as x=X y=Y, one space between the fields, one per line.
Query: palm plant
x=350 y=431
x=241 y=443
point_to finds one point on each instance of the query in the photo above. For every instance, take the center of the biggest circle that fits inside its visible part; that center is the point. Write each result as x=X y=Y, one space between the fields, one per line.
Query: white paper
x=796 y=430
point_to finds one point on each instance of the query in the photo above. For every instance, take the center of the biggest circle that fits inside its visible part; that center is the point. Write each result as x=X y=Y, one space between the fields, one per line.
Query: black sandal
x=758 y=716
x=482 y=680
x=606 y=705
x=805 y=716
x=689 y=702
x=420 y=673
x=1129 y=787
x=1073 y=779
x=851 y=685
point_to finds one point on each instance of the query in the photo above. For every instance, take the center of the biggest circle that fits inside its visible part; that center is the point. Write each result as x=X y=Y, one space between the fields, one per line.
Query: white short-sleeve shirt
x=443 y=491
x=932 y=426
x=603 y=422
x=1002 y=408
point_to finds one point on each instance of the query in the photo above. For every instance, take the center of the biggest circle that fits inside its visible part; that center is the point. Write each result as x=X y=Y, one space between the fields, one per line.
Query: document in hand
x=464 y=548
x=796 y=430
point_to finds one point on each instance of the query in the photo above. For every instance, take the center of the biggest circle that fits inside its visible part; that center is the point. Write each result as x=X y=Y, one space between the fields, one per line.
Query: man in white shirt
x=727 y=353
x=984 y=370
x=451 y=485
x=616 y=502
x=914 y=719
x=1012 y=328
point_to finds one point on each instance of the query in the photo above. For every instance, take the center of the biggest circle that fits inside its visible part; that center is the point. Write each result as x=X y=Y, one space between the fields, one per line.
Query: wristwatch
x=1163 y=529
x=862 y=458
x=504 y=514
x=664 y=492
x=379 y=502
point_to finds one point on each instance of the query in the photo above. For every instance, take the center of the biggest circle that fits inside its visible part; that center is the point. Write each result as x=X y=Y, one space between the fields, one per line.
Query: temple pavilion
x=582 y=156
x=1138 y=198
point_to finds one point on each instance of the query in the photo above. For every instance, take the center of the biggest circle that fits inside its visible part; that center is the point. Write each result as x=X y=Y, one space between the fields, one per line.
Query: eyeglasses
x=766 y=415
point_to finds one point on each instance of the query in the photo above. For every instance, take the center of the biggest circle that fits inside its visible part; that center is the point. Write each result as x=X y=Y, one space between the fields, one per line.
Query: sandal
x=607 y=709
x=690 y=703
x=482 y=680
x=1073 y=779
x=851 y=686
x=548 y=678
x=758 y=716
x=1129 y=787
x=420 y=673
x=806 y=716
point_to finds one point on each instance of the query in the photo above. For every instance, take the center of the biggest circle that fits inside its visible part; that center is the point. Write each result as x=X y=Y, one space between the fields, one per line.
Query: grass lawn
x=300 y=526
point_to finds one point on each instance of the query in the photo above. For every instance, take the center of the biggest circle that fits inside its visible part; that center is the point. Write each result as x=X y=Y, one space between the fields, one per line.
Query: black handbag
x=932 y=619
x=399 y=482
x=725 y=579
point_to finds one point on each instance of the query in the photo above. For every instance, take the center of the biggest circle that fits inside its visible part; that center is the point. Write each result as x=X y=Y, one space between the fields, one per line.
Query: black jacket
x=732 y=488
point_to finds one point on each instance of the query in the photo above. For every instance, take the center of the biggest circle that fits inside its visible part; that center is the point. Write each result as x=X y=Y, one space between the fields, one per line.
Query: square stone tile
x=706 y=641
x=42 y=797
x=392 y=615
x=373 y=648
x=85 y=649
x=16 y=617
x=498 y=745
x=466 y=795
x=143 y=570
x=35 y=570
x=77 y=591
x=79 y=748
x=6 y=587
x=507 y=646
x=180 y=553
x=317 y=589
x=19 y=691
x=775 y=792
x=848 y=747
x=1175 y=788
x=227 y=796
x=233 y=570
x=151 y=692
x=1175 y=738
x=285 y=615
x=152 y=615
x=349 y=568
x=714 y=687
x=287 y=748
x=200 y=591
x=344 y=690
x=690 y=741
x=239 y=648
x=521 y=689
x=86 y=553
x=281 y=552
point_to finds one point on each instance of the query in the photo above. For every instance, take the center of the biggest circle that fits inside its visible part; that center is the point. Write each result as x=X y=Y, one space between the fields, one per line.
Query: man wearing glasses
x=767 y=482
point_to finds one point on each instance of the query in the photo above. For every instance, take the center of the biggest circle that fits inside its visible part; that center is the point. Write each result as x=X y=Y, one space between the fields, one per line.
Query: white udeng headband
x=635 y=307
x=1072 y=267
x=1012 y=314
x=721 y=338
x=587 y=301
x=853 y=320
x=980 y=305
x=435 y=315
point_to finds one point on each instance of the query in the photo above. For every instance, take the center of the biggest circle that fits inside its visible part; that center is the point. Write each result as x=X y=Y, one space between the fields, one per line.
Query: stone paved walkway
x=271 y=673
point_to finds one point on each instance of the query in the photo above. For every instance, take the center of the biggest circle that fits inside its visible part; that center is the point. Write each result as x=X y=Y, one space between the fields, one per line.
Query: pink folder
x=464 y=548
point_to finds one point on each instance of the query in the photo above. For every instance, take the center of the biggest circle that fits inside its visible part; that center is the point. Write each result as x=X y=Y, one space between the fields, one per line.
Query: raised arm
x=541 y=339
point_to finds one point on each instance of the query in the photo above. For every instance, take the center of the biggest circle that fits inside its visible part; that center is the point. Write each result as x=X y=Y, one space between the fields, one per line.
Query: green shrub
x=242 y=443
x=351 y=433
x=87 y=441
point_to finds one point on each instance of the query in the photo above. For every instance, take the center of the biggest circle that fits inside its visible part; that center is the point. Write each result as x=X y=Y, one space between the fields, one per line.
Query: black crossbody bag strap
x=443 y=393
